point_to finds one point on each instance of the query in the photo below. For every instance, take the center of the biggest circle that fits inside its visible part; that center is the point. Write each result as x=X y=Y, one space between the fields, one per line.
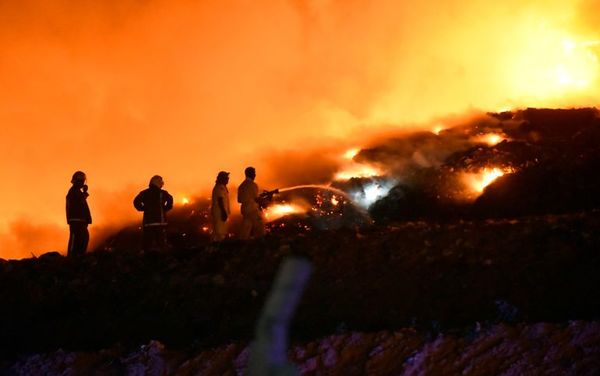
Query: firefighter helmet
x=157 y=181
x=78 y=176
x=223 y=177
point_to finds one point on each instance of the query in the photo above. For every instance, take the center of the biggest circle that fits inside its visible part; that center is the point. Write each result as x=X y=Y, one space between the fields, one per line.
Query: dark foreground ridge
x=431 y=277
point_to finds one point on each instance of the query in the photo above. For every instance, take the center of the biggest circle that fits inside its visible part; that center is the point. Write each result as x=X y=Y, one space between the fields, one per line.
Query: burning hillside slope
x=527 y=162
x=545 y=163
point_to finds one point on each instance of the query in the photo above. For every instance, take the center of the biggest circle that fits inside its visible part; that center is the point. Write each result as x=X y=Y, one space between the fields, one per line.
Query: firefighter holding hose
x=247 y=196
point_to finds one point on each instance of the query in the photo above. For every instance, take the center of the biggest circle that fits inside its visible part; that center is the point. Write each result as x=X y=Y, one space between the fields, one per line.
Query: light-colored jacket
x=247 y=195
x=220 y=191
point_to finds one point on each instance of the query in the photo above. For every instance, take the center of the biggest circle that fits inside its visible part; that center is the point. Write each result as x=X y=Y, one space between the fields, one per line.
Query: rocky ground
x=536 y=349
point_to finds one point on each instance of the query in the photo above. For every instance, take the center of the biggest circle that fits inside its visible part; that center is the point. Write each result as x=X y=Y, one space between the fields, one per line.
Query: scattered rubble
x=540 y=348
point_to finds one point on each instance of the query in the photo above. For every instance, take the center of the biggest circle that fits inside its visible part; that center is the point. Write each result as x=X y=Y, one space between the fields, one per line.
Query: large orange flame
x=351 y=169
x=126 y=89
x=274 y=212
x=357 y=171
x=476 y=182
x=490 y=139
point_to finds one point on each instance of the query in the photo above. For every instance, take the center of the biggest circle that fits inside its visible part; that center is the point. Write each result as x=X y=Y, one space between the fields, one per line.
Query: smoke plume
x=125 y=89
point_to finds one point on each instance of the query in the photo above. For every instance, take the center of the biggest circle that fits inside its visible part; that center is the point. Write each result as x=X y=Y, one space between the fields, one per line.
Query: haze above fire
x=126 y=89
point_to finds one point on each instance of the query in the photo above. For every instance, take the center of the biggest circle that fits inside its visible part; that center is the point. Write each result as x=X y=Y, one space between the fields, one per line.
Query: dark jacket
x=77 y=206
x=154 y=202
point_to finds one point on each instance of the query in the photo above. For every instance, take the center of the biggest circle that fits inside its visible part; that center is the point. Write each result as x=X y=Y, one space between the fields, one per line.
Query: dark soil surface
x=431 y=277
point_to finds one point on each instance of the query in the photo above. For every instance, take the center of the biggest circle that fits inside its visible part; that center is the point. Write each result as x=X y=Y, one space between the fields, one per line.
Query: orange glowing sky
x=124 y=89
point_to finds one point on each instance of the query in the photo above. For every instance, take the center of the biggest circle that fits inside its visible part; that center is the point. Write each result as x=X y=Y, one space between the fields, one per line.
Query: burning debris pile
x=312 y=207
x=528 y=162
x=534 y=161
x=292 y=211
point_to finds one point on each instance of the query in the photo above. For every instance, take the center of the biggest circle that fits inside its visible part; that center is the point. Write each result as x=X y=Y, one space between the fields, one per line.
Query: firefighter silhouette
x=252 y=221
x=78 y=215
x=155 y=203
x=220 y=209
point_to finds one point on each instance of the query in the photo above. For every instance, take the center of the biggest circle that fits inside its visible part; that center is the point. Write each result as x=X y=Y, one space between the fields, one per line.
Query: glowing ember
x=205 y=229
x=351 y=153
x=490 y=139
x=274 y=212
x=334 y=201
x=478 y=181
x=185 y=201
x=357 y=171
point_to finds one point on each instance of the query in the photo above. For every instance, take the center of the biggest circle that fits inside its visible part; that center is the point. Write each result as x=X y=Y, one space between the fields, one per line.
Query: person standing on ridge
x=247 y=196
x=78 y=215
x=155 y=203
x=220 y=209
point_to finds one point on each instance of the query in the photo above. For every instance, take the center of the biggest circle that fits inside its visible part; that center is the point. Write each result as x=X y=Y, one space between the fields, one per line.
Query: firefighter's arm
x=138 y=202
x=168 y=201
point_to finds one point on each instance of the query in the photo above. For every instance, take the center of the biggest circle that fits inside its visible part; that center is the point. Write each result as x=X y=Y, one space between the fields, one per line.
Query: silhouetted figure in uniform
x=78 y=215
x=220 y=209
x=252 y=222
x=155 y=203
